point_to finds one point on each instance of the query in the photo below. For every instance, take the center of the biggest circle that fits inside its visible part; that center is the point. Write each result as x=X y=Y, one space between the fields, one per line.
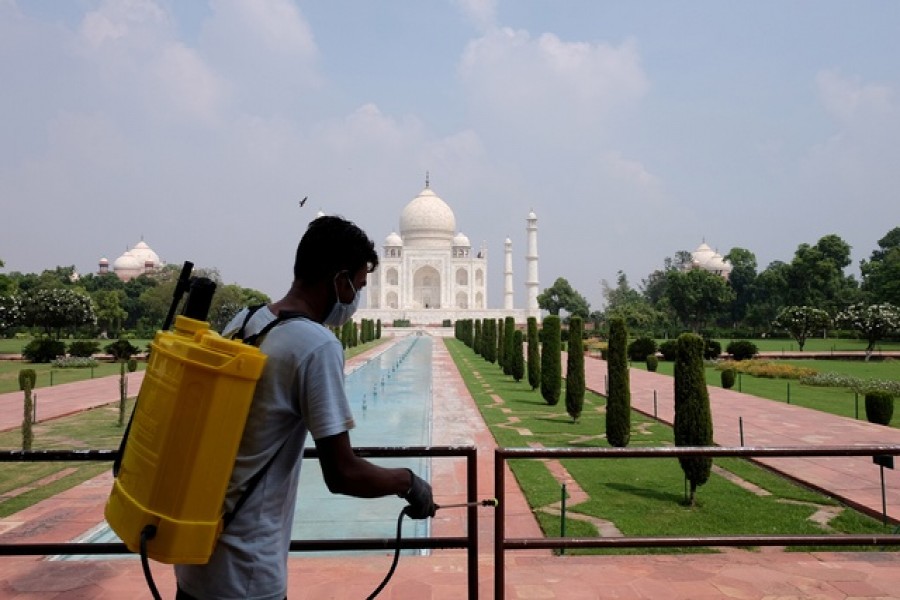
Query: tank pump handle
x=181 y=286
x=199 y=298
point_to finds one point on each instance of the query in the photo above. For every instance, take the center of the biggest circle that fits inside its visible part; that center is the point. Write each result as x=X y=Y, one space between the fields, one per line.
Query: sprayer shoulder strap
x=251 y=485
x=255 y=340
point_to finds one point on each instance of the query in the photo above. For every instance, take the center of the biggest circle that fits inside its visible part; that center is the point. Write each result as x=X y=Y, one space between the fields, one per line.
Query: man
x=300 y=391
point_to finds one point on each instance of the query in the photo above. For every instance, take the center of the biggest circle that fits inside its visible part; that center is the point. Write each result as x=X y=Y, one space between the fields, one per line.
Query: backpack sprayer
x=178 y=450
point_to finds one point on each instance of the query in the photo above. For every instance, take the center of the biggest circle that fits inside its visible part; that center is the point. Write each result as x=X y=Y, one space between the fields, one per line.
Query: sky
x=633 y=130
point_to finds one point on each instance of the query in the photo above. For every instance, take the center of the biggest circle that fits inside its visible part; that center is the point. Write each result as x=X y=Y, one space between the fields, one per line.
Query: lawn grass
x=838 y=401
x=48 y=375
x=31 y=482
x=641 y=497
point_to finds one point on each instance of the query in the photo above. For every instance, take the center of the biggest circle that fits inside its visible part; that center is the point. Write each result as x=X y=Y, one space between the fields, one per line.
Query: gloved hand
x=421 y=502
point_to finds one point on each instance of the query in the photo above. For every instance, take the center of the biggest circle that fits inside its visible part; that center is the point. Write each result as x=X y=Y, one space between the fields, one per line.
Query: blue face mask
x=341 y=312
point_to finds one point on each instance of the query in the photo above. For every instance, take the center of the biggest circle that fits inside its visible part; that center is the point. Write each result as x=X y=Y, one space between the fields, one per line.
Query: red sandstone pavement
x=442 y=575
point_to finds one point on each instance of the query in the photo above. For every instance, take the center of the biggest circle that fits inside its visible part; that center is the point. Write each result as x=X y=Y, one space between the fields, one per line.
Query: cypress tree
x=551 y=361
x=478 y=333
x=378 y=329
x=575 y=369
x=490 y=341
x=518 y=360
x=618 y=398
x=501 y=344
x=693 y=419
x=534 y=354
x=509 y=331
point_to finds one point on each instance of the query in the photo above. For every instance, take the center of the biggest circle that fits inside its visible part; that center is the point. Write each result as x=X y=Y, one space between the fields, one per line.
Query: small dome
x=507 y=242
x=427 y=221
x=127 y=262
x=104 y=261
x=460 y=239
x=393 y=239
x=144 y=254
x=532 y=216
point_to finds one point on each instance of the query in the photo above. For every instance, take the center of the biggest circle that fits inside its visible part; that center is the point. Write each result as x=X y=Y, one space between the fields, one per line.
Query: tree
x=874 y=322
x=509 y=331
x=27 y=379
x=802 y=321
x=229 y=300
x=534 y=354
x=769 y=292
x=561 y=296
x=518 y=360
x=816 y=275
x=693 y=419
x=881 y=273
x=626 y=303
x=477 y=343
x=57 y=309
x=109 y=311
x=742 y=278
x=551 y=360
x=501 y=344
x=575 y=369
x=697 y=296
x=618 y=397
x=10 y=312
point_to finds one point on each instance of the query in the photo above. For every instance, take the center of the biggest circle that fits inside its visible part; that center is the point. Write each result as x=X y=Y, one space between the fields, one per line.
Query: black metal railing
x=502 y=543
x=468 y=542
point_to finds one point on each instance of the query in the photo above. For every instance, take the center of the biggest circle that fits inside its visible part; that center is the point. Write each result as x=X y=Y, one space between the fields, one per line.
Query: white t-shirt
x=301 y=390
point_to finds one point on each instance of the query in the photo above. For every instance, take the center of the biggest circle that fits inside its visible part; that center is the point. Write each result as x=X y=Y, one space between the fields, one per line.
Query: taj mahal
x=428 y=272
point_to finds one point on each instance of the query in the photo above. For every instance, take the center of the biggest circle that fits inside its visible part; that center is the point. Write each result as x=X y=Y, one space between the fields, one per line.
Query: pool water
x=391 y=399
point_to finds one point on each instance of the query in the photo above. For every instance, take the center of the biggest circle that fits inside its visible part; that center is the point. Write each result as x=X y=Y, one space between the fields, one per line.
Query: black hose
x=148 y=533
x=390 y=572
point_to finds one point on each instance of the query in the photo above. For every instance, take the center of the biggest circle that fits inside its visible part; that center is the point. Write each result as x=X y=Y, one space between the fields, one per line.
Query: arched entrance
x=427 y=288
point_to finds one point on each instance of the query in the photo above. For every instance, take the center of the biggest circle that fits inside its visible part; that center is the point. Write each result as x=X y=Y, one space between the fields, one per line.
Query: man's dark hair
x=331 y=245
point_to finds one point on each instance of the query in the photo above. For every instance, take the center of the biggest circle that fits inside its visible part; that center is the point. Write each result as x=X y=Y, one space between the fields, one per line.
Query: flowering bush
x=856 y=384
x=874 y=321
x=57 y=308
x=10 y=312
x=767 y=369
x=802 y=322
x=74 y=362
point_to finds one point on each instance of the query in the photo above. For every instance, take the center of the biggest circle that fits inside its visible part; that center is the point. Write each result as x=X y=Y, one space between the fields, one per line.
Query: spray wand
x=492 y=502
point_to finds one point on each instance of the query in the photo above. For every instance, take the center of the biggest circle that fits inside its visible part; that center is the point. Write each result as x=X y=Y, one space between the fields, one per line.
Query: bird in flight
x=302 y=202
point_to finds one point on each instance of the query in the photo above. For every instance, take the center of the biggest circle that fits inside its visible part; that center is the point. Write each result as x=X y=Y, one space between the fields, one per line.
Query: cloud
x=848 y=99
x=482 y=13
x=547 y=86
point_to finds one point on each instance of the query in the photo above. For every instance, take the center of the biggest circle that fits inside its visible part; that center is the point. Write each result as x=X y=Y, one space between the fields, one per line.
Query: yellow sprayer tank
x=185 y=433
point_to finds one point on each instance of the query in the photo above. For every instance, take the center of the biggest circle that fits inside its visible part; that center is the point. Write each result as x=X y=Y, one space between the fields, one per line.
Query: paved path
x=59 y=400
x=765 y=575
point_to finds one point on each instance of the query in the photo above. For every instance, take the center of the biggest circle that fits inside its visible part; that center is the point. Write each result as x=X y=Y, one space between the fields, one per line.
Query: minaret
x=507 y=276
x=531 y=260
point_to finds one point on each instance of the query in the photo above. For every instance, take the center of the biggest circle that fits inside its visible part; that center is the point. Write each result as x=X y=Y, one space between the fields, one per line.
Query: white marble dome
x=393 y=239
x=427 y=221
x=127 y=262
x=461 y=240
x=144 y=254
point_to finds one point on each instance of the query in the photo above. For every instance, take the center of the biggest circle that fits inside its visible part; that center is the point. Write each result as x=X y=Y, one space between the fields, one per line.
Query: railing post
x=472 y=519
x=499 y=525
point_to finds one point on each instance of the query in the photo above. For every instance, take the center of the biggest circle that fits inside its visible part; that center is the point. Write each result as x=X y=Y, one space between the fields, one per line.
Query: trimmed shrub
x=84 y=348
x=121 y=350
x=551 y=361
x=652 y=363
x=618 y=399
x=742 y=349
x=132 y=365
x=669 y=350
x=693 y=418
x=518 y=359
x=712 y=350
x=728 y=377
x=575 y=370
x=27 y=379
x=534 y=354
x=641 y=348
x=879 y=407
x=43 y=350
x=509 y=334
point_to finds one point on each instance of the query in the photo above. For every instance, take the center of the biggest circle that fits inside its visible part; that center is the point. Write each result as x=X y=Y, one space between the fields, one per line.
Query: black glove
x=421 y=502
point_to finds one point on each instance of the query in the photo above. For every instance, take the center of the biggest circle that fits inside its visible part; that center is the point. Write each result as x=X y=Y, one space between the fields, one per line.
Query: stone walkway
x=529 y=575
